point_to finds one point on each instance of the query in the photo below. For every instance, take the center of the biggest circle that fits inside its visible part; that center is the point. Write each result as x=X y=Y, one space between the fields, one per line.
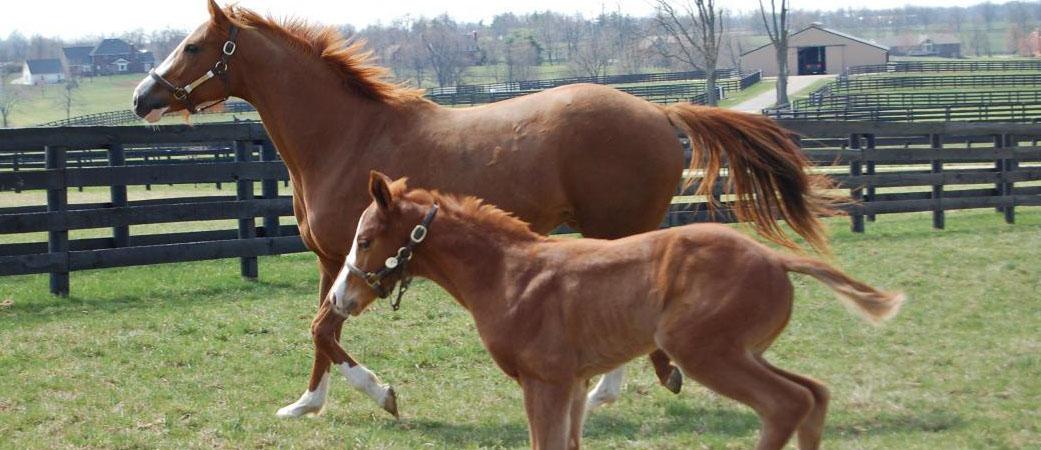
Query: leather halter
x=220 y=69
x=397 y=263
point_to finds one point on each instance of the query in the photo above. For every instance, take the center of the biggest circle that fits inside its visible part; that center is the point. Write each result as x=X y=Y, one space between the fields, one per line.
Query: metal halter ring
x=418 y=233
x=229 y=48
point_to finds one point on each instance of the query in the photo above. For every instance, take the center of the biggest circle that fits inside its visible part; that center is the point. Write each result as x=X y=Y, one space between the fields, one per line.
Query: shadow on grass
x=679 y=419
x=45 y=309
x=934 y=421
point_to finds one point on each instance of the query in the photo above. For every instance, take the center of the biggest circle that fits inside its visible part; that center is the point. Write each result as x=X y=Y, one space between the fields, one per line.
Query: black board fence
x=889 y=167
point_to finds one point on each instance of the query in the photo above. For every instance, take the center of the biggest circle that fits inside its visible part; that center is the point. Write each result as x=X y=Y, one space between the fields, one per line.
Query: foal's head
x=386 y=227
x=195 y=75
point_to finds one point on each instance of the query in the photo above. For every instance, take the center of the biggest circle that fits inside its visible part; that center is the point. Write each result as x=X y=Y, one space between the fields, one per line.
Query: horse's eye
x=363 y=244
x=191 y=48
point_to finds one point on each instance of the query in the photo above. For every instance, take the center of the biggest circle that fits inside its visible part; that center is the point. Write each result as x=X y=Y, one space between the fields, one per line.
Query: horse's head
x=390 y=230
x=195 y=75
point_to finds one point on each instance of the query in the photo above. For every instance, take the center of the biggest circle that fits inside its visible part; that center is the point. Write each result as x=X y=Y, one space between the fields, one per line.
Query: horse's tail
x=874 y=305
x=767 y=171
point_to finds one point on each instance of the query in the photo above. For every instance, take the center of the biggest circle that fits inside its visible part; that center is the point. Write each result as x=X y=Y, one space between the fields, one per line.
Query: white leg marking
x=309 y=403
x=365 y=381
x=607 y=390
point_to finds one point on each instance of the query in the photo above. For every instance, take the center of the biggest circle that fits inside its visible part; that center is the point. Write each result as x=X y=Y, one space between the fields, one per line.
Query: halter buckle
x=180 y=94
x=229 y=48
x=419 y=233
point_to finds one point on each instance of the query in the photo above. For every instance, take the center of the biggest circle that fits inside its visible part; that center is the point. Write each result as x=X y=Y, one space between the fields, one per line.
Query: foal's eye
x=363 y=244
x=191 y=48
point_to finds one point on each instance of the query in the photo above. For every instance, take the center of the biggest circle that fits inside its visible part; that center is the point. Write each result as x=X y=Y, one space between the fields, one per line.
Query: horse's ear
x=379 y=189
x=217 y=14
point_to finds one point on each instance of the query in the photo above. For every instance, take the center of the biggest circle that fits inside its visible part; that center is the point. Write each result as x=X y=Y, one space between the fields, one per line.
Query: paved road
x=768 y=98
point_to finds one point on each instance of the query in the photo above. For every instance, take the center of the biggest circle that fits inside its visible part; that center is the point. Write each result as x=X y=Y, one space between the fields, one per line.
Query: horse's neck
x=307 y=111
x=472 y=265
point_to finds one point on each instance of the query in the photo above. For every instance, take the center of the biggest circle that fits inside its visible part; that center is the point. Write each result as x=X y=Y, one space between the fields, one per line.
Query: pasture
x=189 y=356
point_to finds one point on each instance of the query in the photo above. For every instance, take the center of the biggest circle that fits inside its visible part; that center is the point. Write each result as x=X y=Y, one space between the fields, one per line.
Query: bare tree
x=777 y=29
x=448 y=49
x=592 y=56
x=695 y=31
x=521 y=55
x=69 y=96
x=9 y=99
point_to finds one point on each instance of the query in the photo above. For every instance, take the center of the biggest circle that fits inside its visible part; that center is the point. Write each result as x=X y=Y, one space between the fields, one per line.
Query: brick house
x=115 y=56
x=77 y=61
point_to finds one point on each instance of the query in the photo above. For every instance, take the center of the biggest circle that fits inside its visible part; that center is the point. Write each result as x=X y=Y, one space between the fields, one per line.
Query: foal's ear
x=217 y=14
x=379 y=189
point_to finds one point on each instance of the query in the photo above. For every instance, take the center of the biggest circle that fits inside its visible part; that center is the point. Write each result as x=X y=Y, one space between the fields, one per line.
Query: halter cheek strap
x=220 y=69
x=397 y=263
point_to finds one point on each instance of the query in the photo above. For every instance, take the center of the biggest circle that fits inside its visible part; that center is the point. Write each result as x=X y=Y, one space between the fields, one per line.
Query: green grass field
x=190 y=356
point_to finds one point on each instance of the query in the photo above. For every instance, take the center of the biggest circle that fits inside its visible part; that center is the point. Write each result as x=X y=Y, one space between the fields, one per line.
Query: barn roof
x=111 y=47
x=44 y=66
x=78 y=55
x=818 y=26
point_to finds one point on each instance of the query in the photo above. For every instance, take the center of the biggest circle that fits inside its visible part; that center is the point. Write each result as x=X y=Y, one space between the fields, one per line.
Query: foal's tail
x=874 y=305
x=767 y=171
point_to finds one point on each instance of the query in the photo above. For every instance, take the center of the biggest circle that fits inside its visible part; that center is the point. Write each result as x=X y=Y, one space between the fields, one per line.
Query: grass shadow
x=934 y=421
x=604 y=424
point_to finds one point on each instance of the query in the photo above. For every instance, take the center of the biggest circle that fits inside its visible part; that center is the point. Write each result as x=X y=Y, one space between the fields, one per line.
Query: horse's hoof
x=675 y=382
x=390 y=404
x=293 y=411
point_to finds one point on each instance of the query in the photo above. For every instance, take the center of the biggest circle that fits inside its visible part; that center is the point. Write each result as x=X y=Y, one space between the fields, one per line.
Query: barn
x=817 y=50
x=42 y=71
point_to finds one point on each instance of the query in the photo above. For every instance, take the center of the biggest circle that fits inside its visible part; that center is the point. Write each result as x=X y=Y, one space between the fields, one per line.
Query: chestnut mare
x=555 y=312
x=600 y=160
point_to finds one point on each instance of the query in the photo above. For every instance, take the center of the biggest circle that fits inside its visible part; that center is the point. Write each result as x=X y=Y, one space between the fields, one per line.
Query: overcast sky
x=75 y=18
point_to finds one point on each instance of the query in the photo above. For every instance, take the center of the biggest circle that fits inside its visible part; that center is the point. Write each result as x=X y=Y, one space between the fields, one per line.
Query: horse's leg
x=607 y=390
x=548 y=406
x=313 y=399
x=812 y=428
x=782 y=405
x=668 y=375
x=578 y=415
x=325 y=330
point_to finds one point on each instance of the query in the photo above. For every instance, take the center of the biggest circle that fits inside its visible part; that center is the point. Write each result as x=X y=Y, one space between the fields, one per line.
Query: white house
x=42 y=71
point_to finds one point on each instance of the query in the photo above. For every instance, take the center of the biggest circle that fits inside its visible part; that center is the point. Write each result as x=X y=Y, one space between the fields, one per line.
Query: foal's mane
x=468 y=208
x=347 y=57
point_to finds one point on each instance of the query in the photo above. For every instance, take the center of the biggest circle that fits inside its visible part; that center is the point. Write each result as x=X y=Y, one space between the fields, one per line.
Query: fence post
x=118 y=193
x=869 y=167
x=939 y=219
x=58 y=202
x=269 y=189
x=15 y=160
x=247 y=226
x=856 y=192
x=999 y=167
x=1011 y=164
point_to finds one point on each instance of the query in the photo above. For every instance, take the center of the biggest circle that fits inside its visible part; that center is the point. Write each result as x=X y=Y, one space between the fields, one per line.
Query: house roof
x=146 y=56
x=44 y=66
x=826 y=30
x=78 y=55
x=111 y=47
x=914 y=40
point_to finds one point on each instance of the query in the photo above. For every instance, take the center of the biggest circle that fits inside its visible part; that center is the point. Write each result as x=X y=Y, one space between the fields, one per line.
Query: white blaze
x=339 y=288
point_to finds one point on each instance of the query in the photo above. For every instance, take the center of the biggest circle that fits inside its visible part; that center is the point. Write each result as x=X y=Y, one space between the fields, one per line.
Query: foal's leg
x=812 y=428
x=313 y=399
x=325 y=331
x=548 y=406
x=608 y=390
x=782 y=405
x=668 y=375
x=578 y=414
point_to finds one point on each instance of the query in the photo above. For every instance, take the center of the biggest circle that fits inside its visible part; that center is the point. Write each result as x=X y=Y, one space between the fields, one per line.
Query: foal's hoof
x=390 y=404
x=675 y=382
x=298 y=410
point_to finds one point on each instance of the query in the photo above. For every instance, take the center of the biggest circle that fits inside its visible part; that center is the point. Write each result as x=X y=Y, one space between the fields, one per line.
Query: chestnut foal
x=555 y=312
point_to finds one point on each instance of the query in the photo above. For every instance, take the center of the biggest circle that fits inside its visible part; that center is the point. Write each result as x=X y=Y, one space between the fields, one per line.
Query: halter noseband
x=396 y=263
x=220 y=69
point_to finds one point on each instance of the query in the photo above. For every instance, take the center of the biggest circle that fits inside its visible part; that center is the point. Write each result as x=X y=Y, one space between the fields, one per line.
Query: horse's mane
x=469 y=208
x=347 y=57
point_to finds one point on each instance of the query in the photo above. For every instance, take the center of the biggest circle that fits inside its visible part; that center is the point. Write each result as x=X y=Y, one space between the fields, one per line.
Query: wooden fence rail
x=891 y=168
